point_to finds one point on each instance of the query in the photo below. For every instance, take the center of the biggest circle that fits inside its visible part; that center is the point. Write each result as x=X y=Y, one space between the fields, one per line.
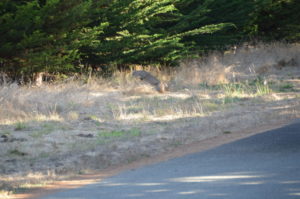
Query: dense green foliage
x=60 y=36
x=276 y=20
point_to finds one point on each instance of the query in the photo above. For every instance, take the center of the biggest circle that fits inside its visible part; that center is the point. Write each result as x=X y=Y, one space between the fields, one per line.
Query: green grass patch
x=111 y=134
x=134 y=132
x=204 y=85
x=44 y=155
x=117 y=134
x=16 y=152
x=235 y=89
x=262 y=88
x=20 y=126
x=286 y=87
x=256 y=87
x=227 y=132
x=107 y=136
x=46 y=129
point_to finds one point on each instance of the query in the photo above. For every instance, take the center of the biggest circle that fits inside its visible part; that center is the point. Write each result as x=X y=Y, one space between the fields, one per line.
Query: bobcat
x=147 y=77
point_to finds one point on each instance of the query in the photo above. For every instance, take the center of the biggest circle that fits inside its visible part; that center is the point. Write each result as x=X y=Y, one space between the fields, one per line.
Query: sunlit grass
x=19 y=122
x=158 y=108
x=123 y=109
x=247 y=89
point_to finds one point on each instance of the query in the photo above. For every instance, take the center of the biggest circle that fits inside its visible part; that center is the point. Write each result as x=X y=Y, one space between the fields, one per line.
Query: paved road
x=264 y=166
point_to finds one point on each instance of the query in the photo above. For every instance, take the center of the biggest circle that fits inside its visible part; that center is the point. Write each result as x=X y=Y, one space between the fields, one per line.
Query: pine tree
x=276 y=20
x=41 y=35
x=147 y=31
x=64 y=36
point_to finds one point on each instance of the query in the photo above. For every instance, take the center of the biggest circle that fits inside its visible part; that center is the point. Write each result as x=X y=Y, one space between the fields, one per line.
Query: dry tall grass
x=71 y=125
x=123 y=96
x=244 y=63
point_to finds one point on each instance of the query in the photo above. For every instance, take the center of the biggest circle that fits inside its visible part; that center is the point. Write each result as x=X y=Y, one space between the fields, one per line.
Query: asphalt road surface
x=266 y=165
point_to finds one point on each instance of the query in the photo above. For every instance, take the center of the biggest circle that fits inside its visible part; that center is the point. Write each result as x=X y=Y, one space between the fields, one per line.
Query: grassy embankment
x=66 y=128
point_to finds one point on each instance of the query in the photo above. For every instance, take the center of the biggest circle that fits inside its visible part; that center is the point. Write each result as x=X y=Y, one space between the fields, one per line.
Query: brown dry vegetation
x=62 y=129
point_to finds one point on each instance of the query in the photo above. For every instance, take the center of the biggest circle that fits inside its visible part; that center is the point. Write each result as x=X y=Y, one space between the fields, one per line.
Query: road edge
x=182 y=150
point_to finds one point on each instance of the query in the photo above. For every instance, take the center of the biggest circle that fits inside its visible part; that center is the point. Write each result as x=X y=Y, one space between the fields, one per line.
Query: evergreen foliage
x=41 y=35
x=60 y=36
x=277 y=20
